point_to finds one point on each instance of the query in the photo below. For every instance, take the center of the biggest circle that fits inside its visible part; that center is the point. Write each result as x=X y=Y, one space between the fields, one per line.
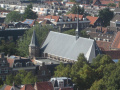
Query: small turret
x=34 y=46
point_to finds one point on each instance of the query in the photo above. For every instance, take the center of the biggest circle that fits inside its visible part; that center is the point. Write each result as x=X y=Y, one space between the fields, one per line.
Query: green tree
x=77 y=9
x=23 y=43
x=106 y=15
x=111 y=5
x=8 y=47
x=13 y=16
x=9 y=79
x=22 y=77
x=70 y=32
x=62 y=70
x=29 y=14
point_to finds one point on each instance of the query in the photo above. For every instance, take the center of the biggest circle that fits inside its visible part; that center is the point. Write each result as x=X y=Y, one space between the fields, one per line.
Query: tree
x=62 y=70
x=23 y=43
x=13 y=16
x=111 y=5
x=77 y=9
x=70 y=32
x=22 y=77
x=9 y=79
x=8 y=47
x=106 y=15
x=29 y=14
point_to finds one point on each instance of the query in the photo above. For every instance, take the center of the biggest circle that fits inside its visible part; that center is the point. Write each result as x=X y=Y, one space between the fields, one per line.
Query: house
x=116 y=43
x=70 y=4
x=18 y=63
x=4 y=67
x=117 y=11
x=62 y=83
x=96 y=2
x=94 y=21
x=43 y=86
x=69 y=21
x=115 y=22
x=30 y=22
x=64 y=47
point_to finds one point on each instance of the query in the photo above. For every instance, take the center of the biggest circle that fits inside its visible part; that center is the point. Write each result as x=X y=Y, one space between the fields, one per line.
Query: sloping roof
x=34 y=41
x=104 y=46
x=92 y=19
x=106 y=2
x=44 y=22
x=29 y=21
x=66 y=46
x=56 y=18
x=70 y=3
x=117 y=10
x=116 y=42
x=44 y=86
x=27 y=87
x=73 y=16
x=8 y=87
x=116 y=18
x=96 y=2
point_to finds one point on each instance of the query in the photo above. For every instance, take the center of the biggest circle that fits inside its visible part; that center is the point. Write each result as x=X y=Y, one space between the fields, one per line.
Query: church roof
x=34 y=41
x=66 y=46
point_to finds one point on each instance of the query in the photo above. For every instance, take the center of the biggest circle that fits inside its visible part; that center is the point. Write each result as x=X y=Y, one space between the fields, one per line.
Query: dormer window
x=29 y=63
x=18 y=64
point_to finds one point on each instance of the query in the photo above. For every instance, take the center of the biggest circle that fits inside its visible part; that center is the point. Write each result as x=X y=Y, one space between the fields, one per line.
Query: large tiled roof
x=104 y=46
x=66 y=46
x=73 y=16
x=44 y=86
x=70 y=3
x=92 y=19
x=116 y=42
x=8 y=87
x=106 y=2
x=27 y=87
x=56 y=18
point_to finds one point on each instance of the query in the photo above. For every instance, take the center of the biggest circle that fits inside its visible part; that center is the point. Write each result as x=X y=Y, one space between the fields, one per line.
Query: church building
x=67 y=48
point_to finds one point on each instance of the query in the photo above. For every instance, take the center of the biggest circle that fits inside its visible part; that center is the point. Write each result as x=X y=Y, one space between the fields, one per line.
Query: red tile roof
x=44 y=86
x=106 y=2
x=70 y=3
x=73 y=16
x=8 y=87
x=53 y=17
x=116 y=42
x=104 y=46
x=92 y=19
x=27 y=87
x=10 y=61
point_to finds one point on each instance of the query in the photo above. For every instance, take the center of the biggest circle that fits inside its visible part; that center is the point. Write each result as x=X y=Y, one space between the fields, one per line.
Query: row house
x=70 y=4
x=4 y=67
x=18 y=63
x=68 y=21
